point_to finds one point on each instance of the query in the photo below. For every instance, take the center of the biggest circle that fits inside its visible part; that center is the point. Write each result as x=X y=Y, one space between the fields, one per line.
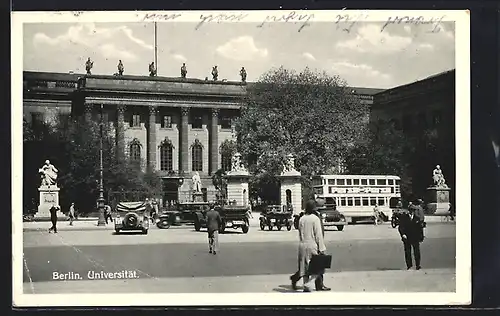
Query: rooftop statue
x=88 y=66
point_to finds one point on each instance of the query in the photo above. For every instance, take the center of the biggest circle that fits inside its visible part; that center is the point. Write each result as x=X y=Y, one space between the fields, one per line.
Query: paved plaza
x=365 y=258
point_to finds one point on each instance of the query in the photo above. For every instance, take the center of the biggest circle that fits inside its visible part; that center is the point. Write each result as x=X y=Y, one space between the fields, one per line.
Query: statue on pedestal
x=196 y=182
x=438 y=177
x=183 y=71
x=215 y=73
x=88 y=66
x=48 y=173
x=152 y=69
x=120 y=68
x=243 y=74
x=290 y=163
x=236 y=163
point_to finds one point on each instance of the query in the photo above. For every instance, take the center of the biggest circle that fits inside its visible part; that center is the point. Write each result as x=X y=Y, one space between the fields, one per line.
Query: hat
x=311 y=206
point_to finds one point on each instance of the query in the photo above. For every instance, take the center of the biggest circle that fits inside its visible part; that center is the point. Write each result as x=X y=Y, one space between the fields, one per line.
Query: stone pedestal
x=438 y=201
x=49 y=195
x=237 y=187
x=198 y=197
x=291 y=190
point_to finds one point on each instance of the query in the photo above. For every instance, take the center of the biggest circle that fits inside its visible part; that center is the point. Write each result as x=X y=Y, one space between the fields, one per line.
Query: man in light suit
x=214 y=223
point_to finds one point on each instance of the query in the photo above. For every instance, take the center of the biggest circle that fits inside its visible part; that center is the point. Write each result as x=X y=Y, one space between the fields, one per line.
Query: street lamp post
x=100 y=200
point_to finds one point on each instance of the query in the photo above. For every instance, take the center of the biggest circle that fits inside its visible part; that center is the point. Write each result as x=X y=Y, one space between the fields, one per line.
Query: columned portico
x=184 y=152
x=152 y=138
x=214 y=142
x=120 y=130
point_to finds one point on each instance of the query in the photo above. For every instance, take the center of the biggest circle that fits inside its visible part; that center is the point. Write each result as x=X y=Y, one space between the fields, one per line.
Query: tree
x=311 y=115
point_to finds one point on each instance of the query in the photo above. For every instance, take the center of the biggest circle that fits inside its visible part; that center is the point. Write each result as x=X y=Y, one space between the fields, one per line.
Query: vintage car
x=233 y=216
x=276 y=215
x=330 y=216
x=181 y=213
x=131 y=216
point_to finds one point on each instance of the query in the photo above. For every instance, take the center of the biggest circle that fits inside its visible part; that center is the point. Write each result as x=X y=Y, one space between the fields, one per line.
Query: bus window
x=356 y=181
x=331 y=181
x=343 y=201
x=366 y=202
x=330 y=201
x=392 y=189
x=364 y=182
x=357 y=201
x=381 y=201
x=348 y=181
x=372 y=181
x=349 y=201
x=391 y=182
x=373 y=201
x=381 y=182
x=397 y=182
x=318 y=190
x=340 y=181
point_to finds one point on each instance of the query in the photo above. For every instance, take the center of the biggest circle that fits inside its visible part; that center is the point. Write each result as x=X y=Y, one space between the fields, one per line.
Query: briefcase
x=319 y=263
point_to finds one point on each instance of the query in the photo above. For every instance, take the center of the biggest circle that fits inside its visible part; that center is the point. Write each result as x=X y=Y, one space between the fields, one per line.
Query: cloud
x=370 y=39
x=242 y=48
x=179 y=57
x=425 y=46
x=111 y=51
x=309 y=56
x=362 y=73
x=91 y=36
x=407 y=28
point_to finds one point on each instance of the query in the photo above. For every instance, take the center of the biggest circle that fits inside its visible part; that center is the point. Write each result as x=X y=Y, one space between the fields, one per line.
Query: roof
x=422 y=81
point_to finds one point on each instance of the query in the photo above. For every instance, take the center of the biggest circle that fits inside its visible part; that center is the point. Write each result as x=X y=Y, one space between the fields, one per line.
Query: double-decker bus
x=356 y=195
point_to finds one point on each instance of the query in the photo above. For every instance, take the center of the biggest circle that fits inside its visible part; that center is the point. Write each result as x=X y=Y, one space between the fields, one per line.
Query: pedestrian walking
x=53 y=218
x=107 y=214
x=376 y=214
x=411 y=231
x=311 y=243
x=214 y=222
x=71 y=214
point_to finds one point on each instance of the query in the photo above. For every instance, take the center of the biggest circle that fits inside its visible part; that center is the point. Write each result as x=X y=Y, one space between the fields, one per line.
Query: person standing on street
x=411 y=231
x=107 y=214
x=310 y=243
x=214 y=222
x=71 y=214
x=376 y=214
x=53 y=218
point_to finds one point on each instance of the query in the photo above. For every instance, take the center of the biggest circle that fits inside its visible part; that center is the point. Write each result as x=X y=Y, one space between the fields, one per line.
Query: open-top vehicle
x=233 y=216
x=329 y=215
x=182 y=213
x=131 y=216
x=276 y=215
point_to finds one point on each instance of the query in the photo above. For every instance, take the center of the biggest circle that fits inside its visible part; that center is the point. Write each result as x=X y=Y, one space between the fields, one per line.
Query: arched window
x=288 y=197
x=166 y=155
x=135 y=151
x=197 y=156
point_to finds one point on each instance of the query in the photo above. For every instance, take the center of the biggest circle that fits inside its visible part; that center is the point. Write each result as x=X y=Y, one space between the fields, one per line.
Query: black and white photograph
x=192 y=158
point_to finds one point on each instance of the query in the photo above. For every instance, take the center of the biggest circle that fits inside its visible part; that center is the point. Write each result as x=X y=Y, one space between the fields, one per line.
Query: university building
x=173 y=125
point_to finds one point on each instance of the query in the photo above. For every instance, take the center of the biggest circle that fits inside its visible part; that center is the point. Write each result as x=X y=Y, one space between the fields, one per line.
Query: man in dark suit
x=411 y=231
x=214 y=222
x=53 y=218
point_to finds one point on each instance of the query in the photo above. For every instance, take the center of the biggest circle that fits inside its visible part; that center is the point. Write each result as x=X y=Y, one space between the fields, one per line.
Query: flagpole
x=156 y=48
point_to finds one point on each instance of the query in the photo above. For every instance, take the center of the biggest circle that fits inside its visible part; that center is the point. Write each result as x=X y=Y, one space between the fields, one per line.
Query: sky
x=364 y=56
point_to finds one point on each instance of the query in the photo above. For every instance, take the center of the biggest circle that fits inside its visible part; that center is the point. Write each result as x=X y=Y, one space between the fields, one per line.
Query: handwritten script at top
x=343 y=22
x=420 y=20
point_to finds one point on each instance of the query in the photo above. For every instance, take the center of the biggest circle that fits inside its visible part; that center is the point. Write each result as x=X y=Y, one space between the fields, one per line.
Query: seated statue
x=438 y=177
x=48 y=173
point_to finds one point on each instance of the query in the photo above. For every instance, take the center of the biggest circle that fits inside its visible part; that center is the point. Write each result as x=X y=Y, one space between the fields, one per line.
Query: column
x=120 y=130
x=184 y=152
x=152 y=138
x=88 y=113
x=214 y=142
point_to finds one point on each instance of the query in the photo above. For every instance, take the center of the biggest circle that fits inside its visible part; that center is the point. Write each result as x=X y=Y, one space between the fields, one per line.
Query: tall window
x=197 y=156
x=225 y=122
x=166 y=154
x=166 y=121
x=135 y=151
x=226 y=161
x=197 y=121
x=437 y=116
x=136 y=120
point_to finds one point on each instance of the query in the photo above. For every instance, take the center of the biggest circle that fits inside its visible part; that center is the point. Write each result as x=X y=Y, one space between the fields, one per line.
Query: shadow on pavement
x=287 y=288
x=128 y=233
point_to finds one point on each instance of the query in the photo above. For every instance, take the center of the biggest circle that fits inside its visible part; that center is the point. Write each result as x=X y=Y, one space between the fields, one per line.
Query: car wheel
x=144 y=231
x=289 y=227
x=117 y=231
x=197 y=226
x=340 y=228
x=164 y=224
x=245 y=229
x=270 y=227
x=279 y=227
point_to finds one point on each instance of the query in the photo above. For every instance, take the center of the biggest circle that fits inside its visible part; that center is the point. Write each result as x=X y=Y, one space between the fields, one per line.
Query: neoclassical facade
x=172 y=125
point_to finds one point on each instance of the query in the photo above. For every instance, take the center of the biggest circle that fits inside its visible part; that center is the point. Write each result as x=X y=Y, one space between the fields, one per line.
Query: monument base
x=237 y=187
x=438 y=201
x=198 y=197
x=49 y=195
